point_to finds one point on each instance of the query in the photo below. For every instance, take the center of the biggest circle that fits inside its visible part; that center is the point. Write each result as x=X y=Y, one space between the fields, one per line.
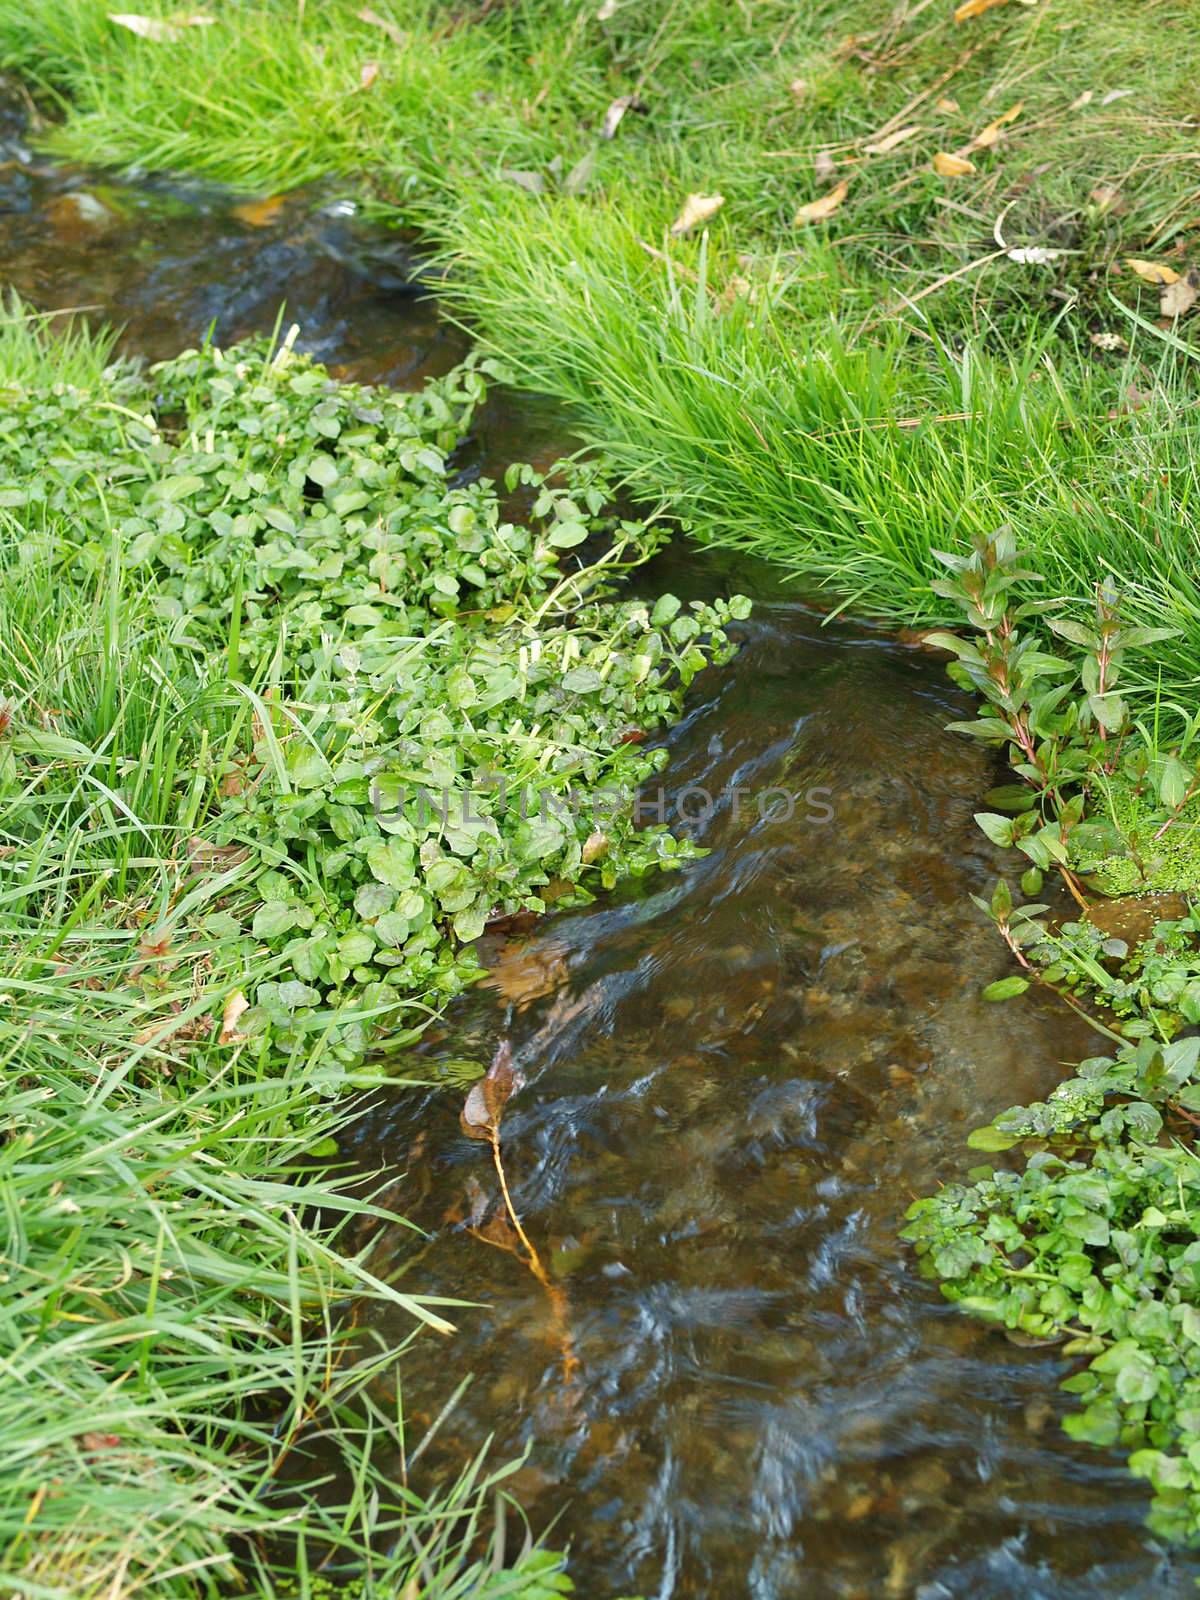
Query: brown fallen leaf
x=395 y=34
x=824 y=167
x=1106 y=197
x=1108 y=341
x=891 y=140
x=368 y=74
x=206 y=857
x=161 y=30
x=1178 y=298
x=98 y=1441
x=975 y=8
x=235 y=1007
x=259 y=213
x=949 y=166
x=798 y=88
x=818 y=210
x=486 y=1100
x=987 y=137
x=945 y=104
x=697 y=208
x=1152 y=271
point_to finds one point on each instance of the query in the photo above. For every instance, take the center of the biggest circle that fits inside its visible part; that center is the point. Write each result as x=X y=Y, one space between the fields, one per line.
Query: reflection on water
x=738 y=1075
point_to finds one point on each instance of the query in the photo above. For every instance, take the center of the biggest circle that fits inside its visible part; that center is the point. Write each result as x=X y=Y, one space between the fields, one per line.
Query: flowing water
x=737 y=1075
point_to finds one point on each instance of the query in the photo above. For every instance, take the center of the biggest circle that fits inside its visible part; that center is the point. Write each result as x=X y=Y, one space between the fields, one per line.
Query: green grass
x=842 y=397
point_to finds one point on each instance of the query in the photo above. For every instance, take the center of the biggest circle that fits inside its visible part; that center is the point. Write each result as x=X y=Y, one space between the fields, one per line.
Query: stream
x=738 y=1074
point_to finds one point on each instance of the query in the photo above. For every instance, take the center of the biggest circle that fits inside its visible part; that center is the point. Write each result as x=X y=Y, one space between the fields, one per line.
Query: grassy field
x=936 y=355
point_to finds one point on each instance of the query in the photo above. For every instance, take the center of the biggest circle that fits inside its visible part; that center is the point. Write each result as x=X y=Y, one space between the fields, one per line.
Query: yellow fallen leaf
x=162 y=30
x=697 y=208
x=1152 y=271
x=259 y=213
x=974 y=8
x=370 y=71
x=891 y=140
x=948 y=166
x=395 y=34
x=1084 y=99
x=986 y=138
x=818 y=210
x=945 y=103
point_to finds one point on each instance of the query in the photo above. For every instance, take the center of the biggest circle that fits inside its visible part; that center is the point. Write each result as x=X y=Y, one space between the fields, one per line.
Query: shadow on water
x=738 y=1075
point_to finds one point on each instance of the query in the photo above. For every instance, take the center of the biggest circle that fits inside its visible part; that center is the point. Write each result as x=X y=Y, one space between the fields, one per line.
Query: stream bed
x=738 y=1074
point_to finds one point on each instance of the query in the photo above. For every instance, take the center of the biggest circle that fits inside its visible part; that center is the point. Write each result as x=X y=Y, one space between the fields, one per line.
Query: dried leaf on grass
x=235 y=1006
x=615 y=112
x=891 y=140
x=1108 y=341
x=161 y=30
x=975 y=8
x=987 y=137
x=1178 y=298
x=394 y=33
x=818 y=210
x=368 y=74
x=1081 y=100
x=1156 y=272
x=697 y=208
x=204 y=856
x=951 y=166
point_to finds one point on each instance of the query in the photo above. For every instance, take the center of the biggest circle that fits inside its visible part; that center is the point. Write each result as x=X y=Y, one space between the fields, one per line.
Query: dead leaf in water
x=1156 y=272
x=394 y=33
x=160 y=30
x=259 y=213
x=950 y=166
x=1178 y=298
x=523 y=973
x=485 y=1103
x=697 y=208
x=818 y=210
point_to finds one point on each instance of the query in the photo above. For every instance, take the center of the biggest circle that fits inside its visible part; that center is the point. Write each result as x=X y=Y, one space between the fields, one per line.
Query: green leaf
x=1005 y=989
x=998 y=829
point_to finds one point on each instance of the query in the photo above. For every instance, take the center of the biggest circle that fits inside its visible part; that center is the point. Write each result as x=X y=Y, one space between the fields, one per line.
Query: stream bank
x=738 y=1076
